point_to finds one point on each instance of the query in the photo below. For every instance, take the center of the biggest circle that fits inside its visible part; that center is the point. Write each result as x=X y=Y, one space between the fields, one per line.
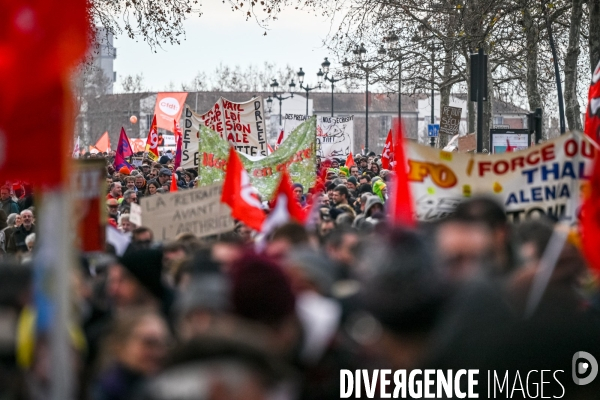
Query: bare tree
x=133 y=83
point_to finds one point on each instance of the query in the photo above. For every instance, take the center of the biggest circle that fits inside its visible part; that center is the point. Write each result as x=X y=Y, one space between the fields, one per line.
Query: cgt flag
x=239 y=194
x=123 y=152
x=152 y=141
x=387 y=155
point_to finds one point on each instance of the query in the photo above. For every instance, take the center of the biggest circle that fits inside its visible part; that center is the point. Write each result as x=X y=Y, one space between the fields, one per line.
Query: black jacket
x=17 y=240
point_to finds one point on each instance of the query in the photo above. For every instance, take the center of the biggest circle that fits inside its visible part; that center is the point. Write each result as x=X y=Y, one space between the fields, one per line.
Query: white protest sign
x=545 y=179
x=335 y=137
x=241 y=124
x=198 y=211
x=291 y=122
x=135 y=214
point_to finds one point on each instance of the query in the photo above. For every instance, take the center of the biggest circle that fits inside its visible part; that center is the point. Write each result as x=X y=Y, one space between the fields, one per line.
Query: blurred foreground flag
x=402 y=209
x=590 y=220
x=592 y=115
x=41 y=41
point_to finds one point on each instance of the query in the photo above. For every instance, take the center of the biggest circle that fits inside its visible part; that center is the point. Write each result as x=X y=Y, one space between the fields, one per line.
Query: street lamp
x=391 y=42
x=274 y=85
x=306 y=88
x=359 y=52
x=325 y=75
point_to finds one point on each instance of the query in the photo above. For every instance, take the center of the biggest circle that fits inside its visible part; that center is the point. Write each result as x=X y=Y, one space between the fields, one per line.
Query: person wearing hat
x=164 y=160
x=164 y=175
x=136 y=281
x=124 y=171
x=352 y=184
x=299 y=194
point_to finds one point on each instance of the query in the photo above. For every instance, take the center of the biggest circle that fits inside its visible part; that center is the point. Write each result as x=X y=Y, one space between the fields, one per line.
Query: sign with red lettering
x=241 y=124
x=541 y=180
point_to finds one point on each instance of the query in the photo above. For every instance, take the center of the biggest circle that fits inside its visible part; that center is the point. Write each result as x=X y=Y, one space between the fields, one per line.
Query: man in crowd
x=129 y=197
x=16 y=243
x=6 y=202
x=164 y=176
x=115 y=191
x=341 y=195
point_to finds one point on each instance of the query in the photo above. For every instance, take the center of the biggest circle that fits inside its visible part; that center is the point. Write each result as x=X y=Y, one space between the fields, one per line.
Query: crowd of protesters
x=213 y=318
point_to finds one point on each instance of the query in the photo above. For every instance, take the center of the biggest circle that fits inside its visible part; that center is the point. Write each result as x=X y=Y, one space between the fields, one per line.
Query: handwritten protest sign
x=543 y=180
x=241 y=124
x=198 y=211
x=335 y=137
x=450 y=121
x=291 y=122
x=297 y=154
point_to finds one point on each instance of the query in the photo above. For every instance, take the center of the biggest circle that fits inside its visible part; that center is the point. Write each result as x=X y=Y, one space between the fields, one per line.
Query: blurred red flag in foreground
x=402 y=210
x=40 y=43
x=590 y=220
x=592 y=115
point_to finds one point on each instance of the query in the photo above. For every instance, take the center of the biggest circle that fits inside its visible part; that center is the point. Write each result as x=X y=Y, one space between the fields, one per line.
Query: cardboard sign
x=198 y=211
x=543 y=180
x=450 y=121
x=335 y=137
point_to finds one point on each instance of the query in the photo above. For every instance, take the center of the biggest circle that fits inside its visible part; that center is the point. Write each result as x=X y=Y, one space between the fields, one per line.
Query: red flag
x=279 y=139
x=239 y=194
x=152 y=141
x=40 y=44
x=103 y=144
x=590 y=220
x=509 y=148
x=350 y=160
x=592 y=116
x=285 y=207
x=173 y=187
x=269 y=148
x=387 y=155
x=179 y=141
x=401 y=212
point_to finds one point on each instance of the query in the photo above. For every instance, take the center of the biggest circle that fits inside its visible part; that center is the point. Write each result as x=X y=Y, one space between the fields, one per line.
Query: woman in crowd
x=152 y=187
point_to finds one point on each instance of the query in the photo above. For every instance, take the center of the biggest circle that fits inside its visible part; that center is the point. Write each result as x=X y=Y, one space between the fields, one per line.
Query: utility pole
x=479 y=90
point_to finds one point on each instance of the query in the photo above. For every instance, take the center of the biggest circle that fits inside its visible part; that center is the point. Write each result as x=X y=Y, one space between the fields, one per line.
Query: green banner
x=297 y=153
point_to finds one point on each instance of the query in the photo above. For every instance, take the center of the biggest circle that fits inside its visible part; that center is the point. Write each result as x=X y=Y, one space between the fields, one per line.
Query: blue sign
x=433 y=130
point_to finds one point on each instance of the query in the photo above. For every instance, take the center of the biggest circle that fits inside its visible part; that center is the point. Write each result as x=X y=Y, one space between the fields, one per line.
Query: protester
x=16 y=243
x=152 y=188
x=7 y=204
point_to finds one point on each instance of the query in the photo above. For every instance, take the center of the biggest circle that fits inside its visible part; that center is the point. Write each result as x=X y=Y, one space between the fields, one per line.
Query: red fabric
x=294 y=208
x=509 y=148
x=592 y=116
x=152 y=141
x=349 y=161
x=103 y=144
x=40 y=42
x=179 y=141
x=402 y=212
x=173 y=187
x=239 y=194
x=387 y=155
x=279 y=139
x=590 y=220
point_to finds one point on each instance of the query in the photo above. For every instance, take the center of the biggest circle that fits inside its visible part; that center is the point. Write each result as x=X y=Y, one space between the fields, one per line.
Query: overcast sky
x=220 y=35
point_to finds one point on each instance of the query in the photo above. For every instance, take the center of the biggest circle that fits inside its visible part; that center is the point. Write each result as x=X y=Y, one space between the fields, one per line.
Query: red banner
x=169 y=106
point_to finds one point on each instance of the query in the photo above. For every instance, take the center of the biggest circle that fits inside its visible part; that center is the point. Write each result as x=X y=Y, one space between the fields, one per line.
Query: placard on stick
x=450 y=121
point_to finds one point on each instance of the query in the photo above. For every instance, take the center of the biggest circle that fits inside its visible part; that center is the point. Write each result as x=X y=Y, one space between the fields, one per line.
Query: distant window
x=114 y=76
x=498 y=120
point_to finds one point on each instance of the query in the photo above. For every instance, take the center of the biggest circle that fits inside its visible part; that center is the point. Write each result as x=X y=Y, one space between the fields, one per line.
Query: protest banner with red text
x=297 y=154
x=241 y=124
x=542 y=180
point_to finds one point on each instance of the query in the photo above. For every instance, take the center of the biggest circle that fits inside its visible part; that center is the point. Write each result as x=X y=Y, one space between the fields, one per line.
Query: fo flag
x=239 y=194
x=152 y=141
x=123 y=152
